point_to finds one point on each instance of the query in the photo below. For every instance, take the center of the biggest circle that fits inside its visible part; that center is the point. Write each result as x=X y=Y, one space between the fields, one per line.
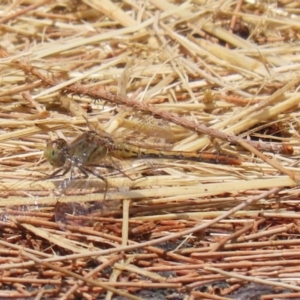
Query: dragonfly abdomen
x=129 y=151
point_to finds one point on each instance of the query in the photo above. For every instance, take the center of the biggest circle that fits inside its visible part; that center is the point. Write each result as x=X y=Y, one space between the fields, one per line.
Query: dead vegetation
x=224 y=76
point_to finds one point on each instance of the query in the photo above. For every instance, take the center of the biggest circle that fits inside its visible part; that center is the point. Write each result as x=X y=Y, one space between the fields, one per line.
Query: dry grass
x=224 y=76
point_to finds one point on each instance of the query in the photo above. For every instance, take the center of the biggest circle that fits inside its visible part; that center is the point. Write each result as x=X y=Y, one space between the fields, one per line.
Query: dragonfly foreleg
x=56 y=174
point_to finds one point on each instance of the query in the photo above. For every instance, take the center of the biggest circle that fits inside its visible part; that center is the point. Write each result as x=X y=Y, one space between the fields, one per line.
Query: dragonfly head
x=56 y=152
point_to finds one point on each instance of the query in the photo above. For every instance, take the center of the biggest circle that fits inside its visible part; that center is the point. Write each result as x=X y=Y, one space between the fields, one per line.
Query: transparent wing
x=81 y=200
x=25 y=197
x=68 y=200
x=139 y=129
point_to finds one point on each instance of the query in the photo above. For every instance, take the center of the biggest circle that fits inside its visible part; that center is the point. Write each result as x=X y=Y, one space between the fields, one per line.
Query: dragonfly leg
x=108 y=166
x=56 y=173
x=85 y=171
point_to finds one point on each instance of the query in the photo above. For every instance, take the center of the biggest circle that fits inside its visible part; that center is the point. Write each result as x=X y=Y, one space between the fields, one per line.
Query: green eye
x=56 y=152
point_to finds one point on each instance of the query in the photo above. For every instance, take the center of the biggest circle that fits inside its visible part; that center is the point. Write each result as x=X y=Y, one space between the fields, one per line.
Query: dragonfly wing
x=81 y=200
x=73 y=202
x=29 y=197
x=141 y=130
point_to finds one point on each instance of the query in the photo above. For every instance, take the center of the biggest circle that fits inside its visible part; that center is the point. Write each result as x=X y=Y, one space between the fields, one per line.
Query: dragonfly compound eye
x=56 y=152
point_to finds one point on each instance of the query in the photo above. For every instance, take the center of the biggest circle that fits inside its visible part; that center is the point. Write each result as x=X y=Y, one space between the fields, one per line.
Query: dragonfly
x=91 y=149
